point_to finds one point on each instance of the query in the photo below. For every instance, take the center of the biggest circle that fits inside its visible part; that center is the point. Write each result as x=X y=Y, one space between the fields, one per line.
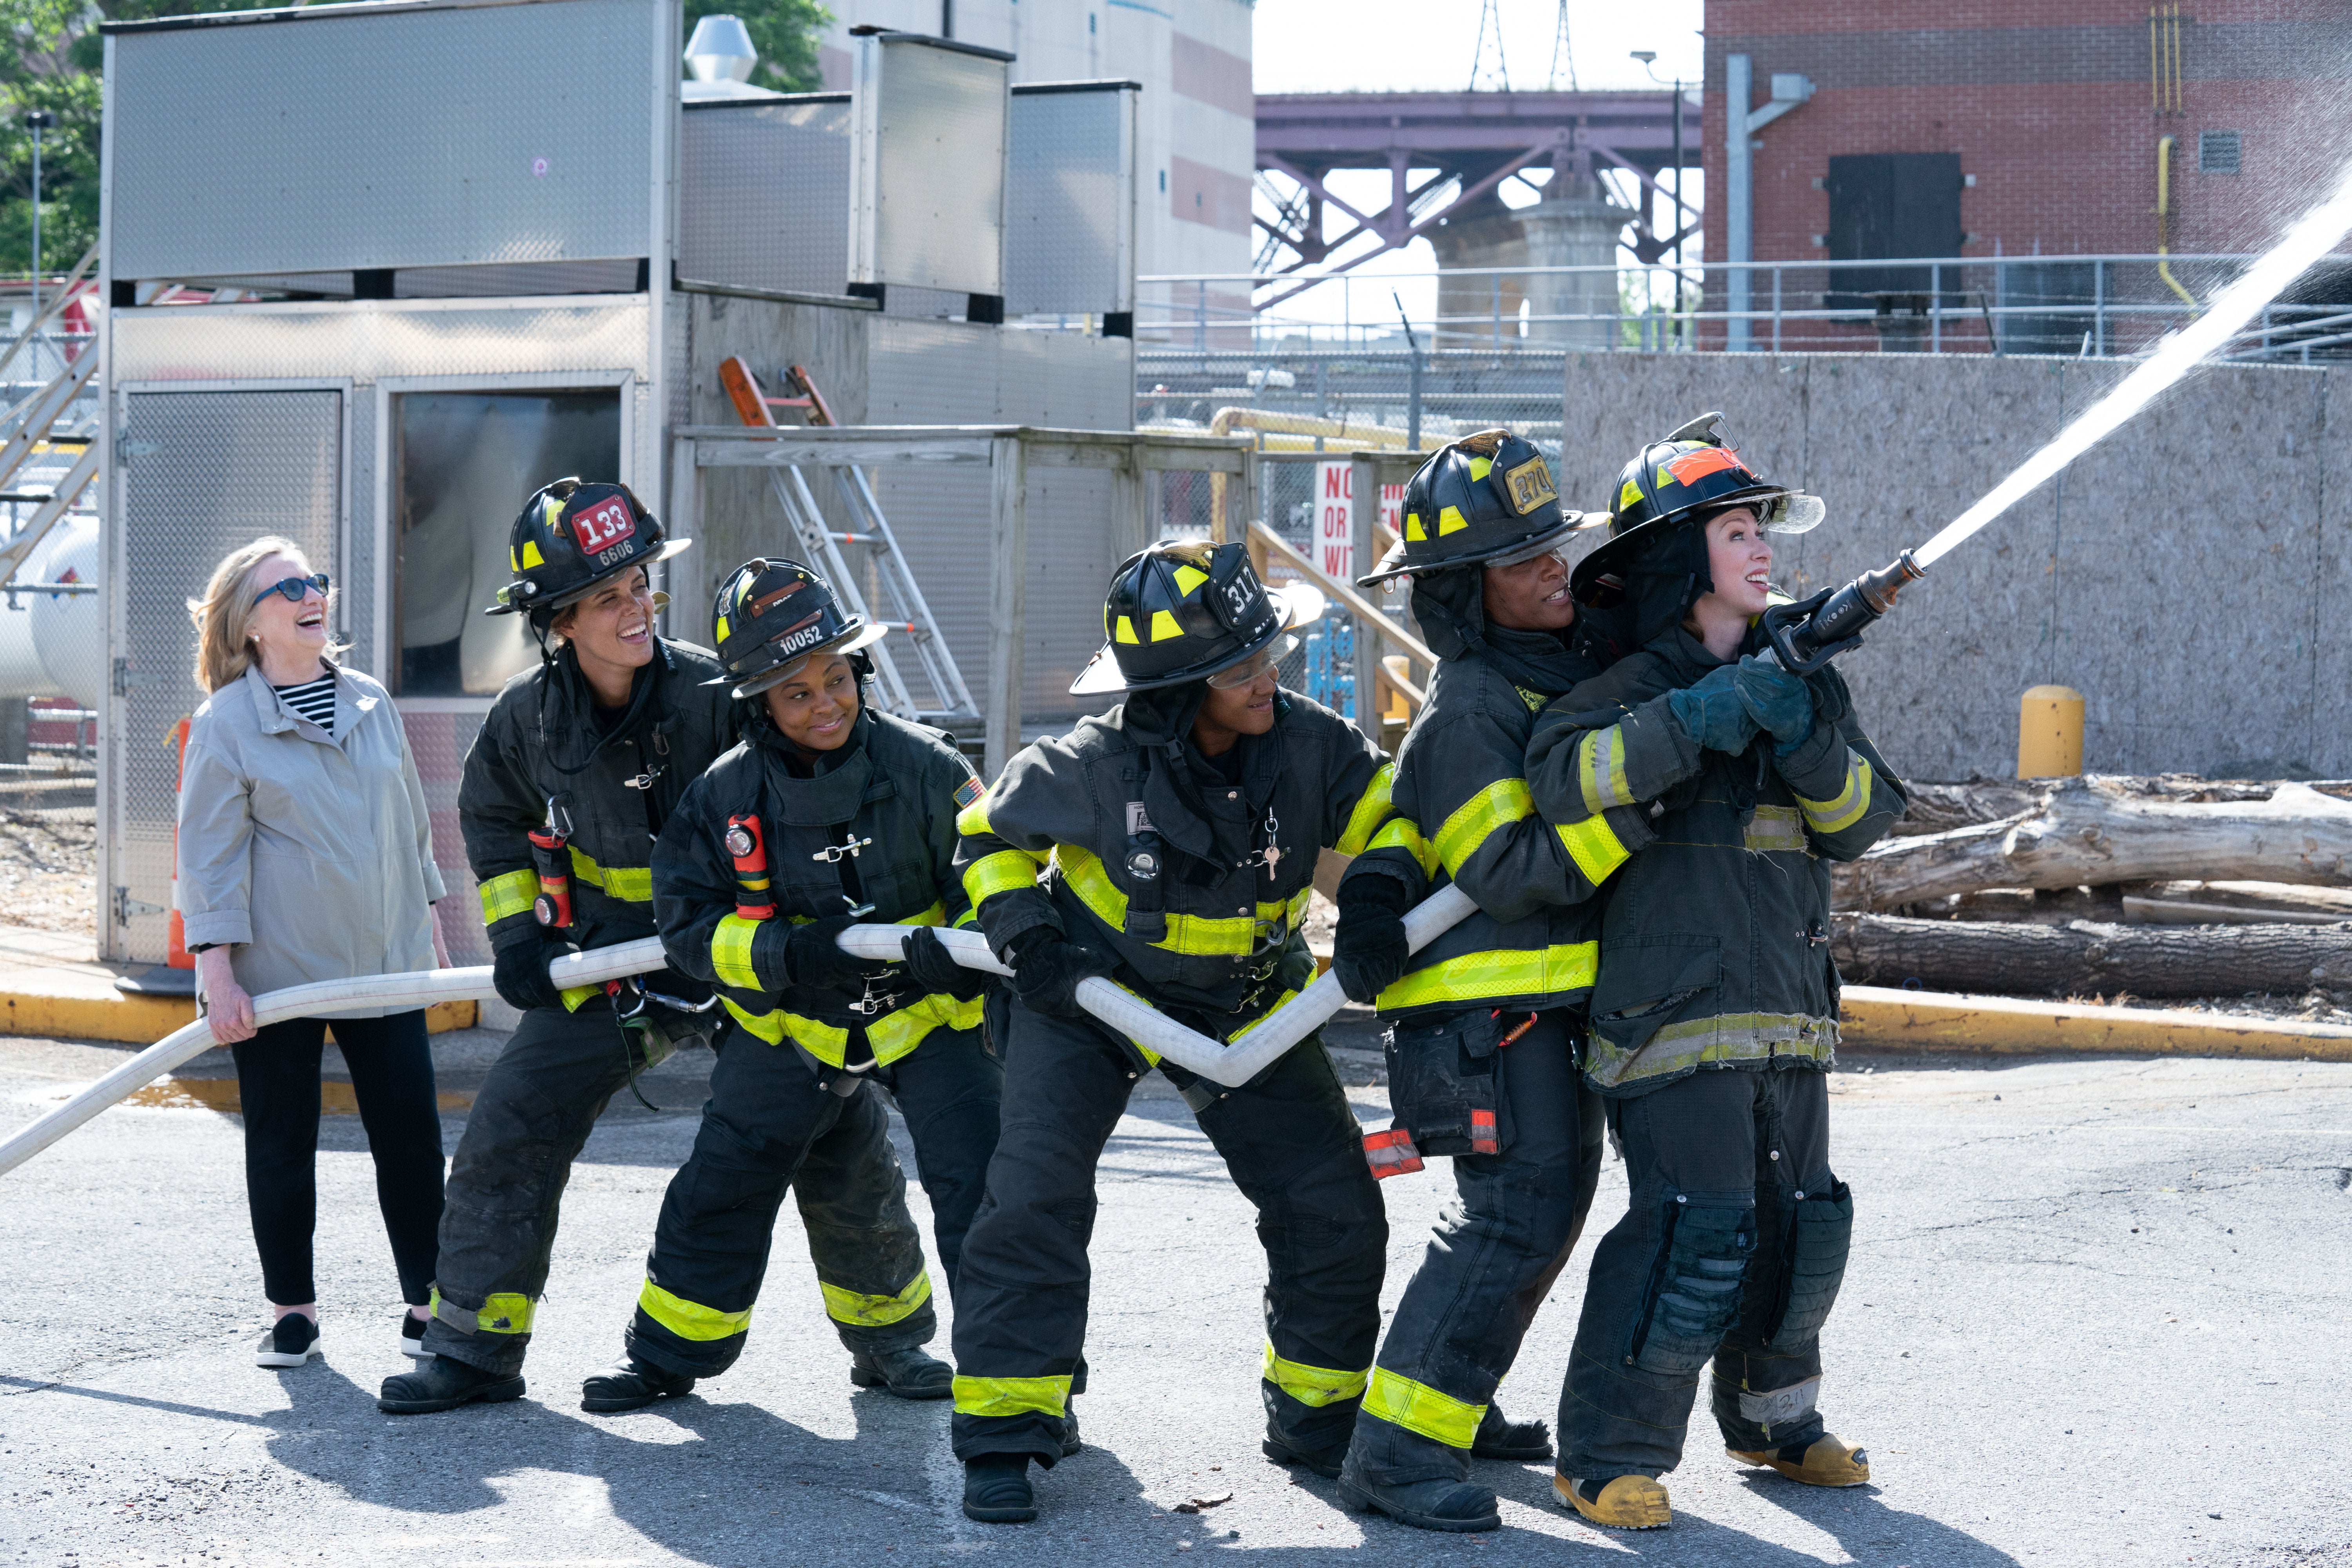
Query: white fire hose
x=1231 y=1065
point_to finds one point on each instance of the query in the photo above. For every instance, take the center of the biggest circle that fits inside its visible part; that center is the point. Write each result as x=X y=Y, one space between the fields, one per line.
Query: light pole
x=37 y=121
x=1675 y=215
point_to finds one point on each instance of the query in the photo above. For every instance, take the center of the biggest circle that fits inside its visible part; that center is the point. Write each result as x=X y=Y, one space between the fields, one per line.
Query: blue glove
x=1712 y=711
x=1781 y=704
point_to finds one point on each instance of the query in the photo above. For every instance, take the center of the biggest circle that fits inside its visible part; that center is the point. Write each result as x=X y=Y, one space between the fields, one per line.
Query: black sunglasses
x=294 y=588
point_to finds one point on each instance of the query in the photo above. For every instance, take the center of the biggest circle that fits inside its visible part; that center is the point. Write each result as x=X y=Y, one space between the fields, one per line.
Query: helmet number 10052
x=603 y=525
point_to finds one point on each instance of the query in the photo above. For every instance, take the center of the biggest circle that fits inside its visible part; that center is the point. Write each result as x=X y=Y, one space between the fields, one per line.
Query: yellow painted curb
x=75 y=1004
x=335 y=1097
x=1942 y=1021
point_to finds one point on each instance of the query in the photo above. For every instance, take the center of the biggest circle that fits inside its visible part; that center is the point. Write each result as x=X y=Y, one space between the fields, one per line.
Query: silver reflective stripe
x=456 y=1317
x=1781 y=1406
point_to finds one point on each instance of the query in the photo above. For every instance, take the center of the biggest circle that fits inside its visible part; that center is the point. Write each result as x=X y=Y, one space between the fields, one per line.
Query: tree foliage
x=57 y=54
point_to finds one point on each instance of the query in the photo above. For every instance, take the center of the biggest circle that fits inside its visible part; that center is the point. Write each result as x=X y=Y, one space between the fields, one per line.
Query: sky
x=1432 y=45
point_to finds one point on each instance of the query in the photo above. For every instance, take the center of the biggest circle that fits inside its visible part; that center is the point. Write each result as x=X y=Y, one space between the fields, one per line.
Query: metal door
x=198 y=473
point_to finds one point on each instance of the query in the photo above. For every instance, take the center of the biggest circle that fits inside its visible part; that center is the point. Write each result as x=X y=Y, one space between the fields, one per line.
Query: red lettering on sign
x=603 y=525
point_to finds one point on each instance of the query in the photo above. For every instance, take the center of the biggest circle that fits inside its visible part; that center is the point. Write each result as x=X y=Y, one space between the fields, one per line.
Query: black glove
x=1369 y=951
x=519 y=971
x=1046 y=969
x=812 y=957
x=936 y=969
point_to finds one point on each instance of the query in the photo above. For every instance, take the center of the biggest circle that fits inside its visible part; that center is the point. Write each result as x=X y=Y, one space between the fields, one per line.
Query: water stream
x=2313 y=234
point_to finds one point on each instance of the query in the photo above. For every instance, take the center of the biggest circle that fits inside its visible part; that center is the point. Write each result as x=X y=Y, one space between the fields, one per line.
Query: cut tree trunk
x=2085 y=959
x=2089 y=833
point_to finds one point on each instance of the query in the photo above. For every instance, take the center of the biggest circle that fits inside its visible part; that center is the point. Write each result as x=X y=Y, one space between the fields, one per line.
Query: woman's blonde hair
x=224 y=616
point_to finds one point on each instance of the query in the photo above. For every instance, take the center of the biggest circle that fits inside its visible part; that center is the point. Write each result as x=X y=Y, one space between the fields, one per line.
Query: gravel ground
x=47 y=861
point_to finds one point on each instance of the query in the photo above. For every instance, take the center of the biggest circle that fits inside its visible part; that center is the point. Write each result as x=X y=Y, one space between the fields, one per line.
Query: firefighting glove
x=936 y=969
x=1369 y=951
x=1711 y=710
x=812 y=957
x=519 y=970
x=1046 y=969
x=1780 y=703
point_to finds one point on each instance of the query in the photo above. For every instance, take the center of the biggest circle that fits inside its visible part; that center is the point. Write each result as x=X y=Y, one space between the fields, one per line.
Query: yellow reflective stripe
x=1417 y=1407
x=1372 y=807
x=631 y=884
x=1497 y=806
x=1002 y=1396
x=503 y=1313
x=864 y=1312
x=936 y=915
x=896 y=1033
x=730 y=952
x=574 y=995
x=1403 y=833
x=1595 y=847
x=828 y=1043
x=690 y=1319
x=1315 y=1385
x=1776 y=828
x=967 y=919
x=768 y=1026
x=1483 y=976
x=1005 y=872
x=1851 y=804
x=503 y=898
x=973 y=820
x=1601 y=770
x=1191 y=935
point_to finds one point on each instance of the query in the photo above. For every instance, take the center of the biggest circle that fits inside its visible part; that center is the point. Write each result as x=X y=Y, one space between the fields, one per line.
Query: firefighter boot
x=996 y=1490
x=1823 y=1462
x=908 y=1373
x=1500 y=1437
x=1071 y=1441
x=1441 y=1504
x=442 y=1383
x=632 y=1386
x=1325 y=1464
x=1629 y=1502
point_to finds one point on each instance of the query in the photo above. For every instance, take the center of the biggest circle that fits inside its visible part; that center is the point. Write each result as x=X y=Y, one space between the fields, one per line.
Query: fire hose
x=1233 y=1064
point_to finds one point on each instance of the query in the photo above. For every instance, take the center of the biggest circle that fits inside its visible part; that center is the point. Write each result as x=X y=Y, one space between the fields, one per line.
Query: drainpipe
x=1741 y=124
x=2164 y=223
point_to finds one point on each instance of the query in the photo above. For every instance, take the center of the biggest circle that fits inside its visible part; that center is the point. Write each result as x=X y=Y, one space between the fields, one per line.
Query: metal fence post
x=1776 y=310
x=1496 y=293
x=1364 y=479
x=1201 y=317
x=1936 y=308
x=1008 y=596
x=2098 y=310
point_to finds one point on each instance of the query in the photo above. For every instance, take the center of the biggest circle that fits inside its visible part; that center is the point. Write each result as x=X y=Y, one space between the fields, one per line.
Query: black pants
x=948 y=1090
x=1491 y=1261
x=1293 y=1147
x=770 y=1125
x=1731 y=1250
x=533 y=1113
x=278 y=1089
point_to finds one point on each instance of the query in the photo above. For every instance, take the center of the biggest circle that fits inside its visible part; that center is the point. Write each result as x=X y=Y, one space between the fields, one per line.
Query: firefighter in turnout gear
x=1713 y=1018
x=826 y=815
x=1483 y=1021
x=572 y=776
x=1168 y=844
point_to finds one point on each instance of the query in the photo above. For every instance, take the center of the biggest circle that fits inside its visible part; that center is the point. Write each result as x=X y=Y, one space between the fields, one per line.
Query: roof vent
x=720 y=50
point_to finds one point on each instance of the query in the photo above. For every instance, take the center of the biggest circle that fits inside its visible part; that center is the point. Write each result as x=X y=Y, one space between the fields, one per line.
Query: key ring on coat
x=1271 y=856
x=832 y=852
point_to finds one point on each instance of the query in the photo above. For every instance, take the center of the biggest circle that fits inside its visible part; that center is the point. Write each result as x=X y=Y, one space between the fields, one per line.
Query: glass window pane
x=463 y=464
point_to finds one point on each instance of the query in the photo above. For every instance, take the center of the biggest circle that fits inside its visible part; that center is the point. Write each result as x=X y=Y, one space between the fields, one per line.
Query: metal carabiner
x=832 y=852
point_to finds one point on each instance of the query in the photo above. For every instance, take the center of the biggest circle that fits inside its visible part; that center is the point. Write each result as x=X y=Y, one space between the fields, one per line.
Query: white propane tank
x=52 y=645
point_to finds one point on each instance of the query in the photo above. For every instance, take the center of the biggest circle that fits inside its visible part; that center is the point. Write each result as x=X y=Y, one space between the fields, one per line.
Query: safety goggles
x=1253 y=668
x=1794 y=512
x=295 y=588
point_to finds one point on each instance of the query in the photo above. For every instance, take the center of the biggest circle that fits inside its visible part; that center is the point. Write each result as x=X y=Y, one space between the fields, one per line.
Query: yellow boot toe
x=1629 y=1502
x=1826 y=1462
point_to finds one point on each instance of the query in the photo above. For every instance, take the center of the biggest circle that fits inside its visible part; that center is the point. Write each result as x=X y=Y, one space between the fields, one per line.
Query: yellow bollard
x=2049 y=734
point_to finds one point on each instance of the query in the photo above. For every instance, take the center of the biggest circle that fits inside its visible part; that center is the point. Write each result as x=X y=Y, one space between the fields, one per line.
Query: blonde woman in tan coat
x=306 y=854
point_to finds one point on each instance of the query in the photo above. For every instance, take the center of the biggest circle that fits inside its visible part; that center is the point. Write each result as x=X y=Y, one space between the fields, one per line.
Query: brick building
x=2025 y=127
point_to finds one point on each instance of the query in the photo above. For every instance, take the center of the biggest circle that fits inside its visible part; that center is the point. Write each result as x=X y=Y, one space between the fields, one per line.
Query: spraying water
x=2314 y=236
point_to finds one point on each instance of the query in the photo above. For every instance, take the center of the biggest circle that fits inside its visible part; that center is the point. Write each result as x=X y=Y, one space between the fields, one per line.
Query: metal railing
x=2095 y=306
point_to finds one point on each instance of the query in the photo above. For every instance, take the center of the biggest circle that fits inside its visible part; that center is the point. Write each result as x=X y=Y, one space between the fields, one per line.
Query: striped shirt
x=312 y=700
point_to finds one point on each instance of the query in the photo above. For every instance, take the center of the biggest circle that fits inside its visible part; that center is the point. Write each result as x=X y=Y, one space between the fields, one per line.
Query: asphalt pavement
x=2095 y=1315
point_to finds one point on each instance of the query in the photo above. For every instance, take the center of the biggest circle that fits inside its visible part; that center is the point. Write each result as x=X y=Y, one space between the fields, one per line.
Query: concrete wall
x=2191 y=576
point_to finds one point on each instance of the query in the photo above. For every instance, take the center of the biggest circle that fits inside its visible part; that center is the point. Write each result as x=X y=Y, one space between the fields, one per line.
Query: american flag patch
x=970 y=790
